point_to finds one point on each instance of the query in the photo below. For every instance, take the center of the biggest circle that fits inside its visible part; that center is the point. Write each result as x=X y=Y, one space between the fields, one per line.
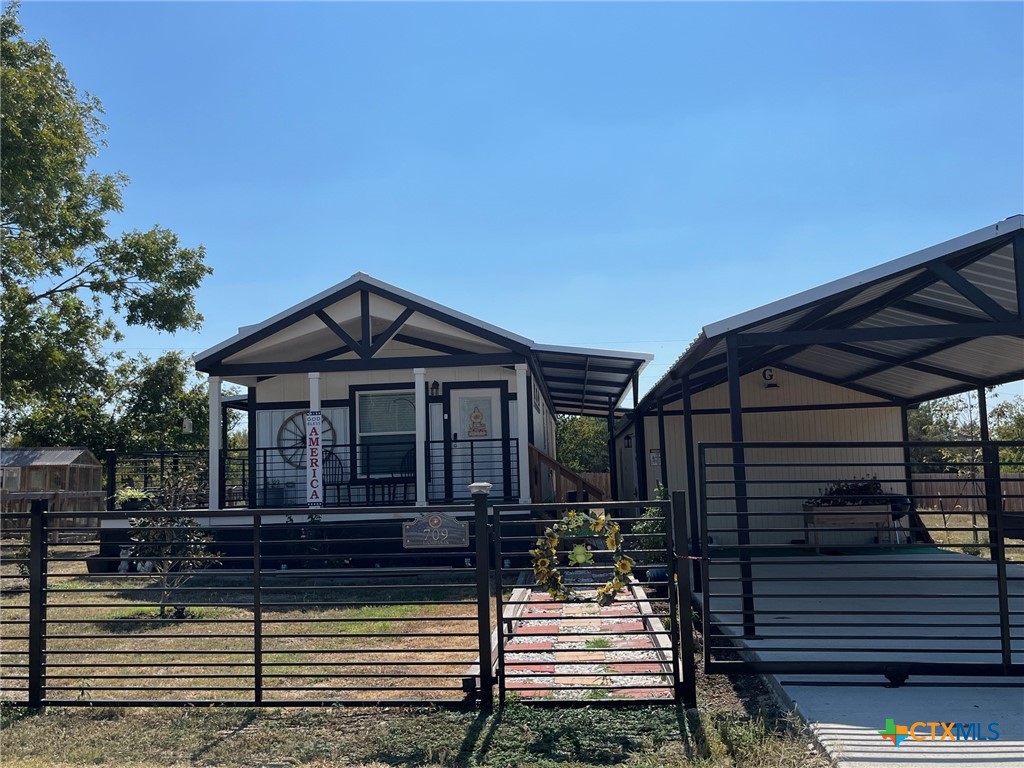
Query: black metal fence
x=824 y=557
x=274 y=607
x=638 y=648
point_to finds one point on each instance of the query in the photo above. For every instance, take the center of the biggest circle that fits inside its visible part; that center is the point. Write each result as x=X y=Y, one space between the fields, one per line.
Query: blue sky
x=588 y=174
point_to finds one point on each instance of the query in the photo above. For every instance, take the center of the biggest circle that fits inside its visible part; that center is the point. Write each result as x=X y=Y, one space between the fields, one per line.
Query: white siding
x=335 y=386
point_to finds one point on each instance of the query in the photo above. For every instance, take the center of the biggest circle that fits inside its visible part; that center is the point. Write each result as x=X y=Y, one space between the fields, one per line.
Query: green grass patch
x=516 y=736
x=597 y=643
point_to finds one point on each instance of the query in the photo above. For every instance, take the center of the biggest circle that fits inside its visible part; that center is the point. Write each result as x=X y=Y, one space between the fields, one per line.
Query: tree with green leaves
x=68 y=281
x=137 y=405
x=582 y=443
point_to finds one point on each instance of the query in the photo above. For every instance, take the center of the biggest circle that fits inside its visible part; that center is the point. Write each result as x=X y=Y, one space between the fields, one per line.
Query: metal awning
x=587 y=382
x=936 y=322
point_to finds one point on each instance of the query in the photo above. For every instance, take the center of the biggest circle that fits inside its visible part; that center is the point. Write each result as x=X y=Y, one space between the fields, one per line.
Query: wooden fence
x=946 y=492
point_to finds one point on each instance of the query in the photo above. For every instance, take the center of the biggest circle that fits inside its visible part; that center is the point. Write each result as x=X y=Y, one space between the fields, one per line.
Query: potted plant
x=131 y=499
x=874 y=511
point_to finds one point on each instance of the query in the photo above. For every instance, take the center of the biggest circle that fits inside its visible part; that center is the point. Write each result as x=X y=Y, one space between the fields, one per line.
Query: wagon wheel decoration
x=291 y=438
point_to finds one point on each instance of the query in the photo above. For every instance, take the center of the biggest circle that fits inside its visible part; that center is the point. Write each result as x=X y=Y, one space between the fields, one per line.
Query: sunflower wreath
x=545 y=556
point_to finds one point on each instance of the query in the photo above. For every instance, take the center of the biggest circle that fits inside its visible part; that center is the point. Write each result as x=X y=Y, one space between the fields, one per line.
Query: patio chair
x=405 y=477
x=334 y=476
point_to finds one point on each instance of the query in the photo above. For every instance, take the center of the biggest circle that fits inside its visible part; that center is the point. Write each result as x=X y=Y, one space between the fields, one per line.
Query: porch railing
x=367 y=474
x=554 y=482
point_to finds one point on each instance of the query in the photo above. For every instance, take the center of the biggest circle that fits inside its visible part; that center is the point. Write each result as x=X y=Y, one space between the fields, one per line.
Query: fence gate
x=638 y=647
x=822 y=558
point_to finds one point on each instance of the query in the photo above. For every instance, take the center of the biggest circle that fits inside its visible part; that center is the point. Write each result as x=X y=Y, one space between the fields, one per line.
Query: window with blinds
x=386 y=432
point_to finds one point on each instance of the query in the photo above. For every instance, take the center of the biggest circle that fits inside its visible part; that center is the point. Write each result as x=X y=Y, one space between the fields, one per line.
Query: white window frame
x=410 y=394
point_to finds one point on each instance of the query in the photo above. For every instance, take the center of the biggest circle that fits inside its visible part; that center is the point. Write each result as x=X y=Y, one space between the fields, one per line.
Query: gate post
x=686 y=684
x=36 y=602
x=111 y=478
x=257 y=606
x=483 y=592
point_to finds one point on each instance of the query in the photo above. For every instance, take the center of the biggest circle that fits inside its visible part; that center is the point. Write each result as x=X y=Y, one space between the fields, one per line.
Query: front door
x=474 y=430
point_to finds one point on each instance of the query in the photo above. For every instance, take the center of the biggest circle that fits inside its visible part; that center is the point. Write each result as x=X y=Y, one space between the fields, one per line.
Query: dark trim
x=920 y=354
x=854 y=315
x=252 y=427
x=936 y=313
x=627 y=372
x=342 y=334
x=257 y=336
x=529 y=400
x=446 y=390
x=453 y=321
x=639 y=443
x=291 y=405
x=885 y=396
x=391 y=330
x=784 y=408
x=1014 y=327
x=613 y=468
x=971 y=292
x=364 y=321
x=662 y=446
x=809 y=320
x=336 y=352
x=1018 y=269
x=892 y=361
x=690 y=456
x=542 y=382
x=375 y=364
x=433 y=346
x=354 y=391
x=1016 y=375
x=740 y=481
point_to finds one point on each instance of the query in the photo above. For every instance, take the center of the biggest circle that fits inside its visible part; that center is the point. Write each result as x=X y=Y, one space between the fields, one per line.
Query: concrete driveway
x=888 y=608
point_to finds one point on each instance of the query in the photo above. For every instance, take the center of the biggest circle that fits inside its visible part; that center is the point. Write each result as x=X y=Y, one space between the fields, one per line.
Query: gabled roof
x=45 y=457
x=939 y=321
x=364 y=323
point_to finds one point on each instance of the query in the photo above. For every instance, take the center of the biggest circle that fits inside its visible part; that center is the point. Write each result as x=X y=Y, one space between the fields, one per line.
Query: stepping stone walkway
x=581 y=650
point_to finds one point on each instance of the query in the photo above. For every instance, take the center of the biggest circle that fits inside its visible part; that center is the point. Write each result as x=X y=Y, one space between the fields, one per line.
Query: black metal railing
x=846 y=558
x=248 y=608
x=349 y=607
x=638 y=649
x=452 y=465
x=372 y=473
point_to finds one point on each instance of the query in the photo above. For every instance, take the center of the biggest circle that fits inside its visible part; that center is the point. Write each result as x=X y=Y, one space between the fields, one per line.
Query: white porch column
x=523 y=422
x=314 y=446
x=419 y=375
x=214 y=442
x=314 y=391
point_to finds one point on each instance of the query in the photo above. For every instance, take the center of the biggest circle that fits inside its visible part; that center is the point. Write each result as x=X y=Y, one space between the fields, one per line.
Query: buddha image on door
x=476 y=449
x=476 y=417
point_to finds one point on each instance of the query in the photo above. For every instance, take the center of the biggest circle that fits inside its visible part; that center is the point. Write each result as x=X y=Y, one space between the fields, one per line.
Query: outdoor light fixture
x=186 y=425
x=629 y=441
x=434 y=387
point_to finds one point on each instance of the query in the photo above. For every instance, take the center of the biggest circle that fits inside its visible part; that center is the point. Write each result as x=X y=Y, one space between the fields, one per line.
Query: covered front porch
x=367 y=395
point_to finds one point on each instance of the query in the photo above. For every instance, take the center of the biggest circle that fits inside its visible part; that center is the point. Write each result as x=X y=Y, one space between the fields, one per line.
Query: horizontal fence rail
x=832 y=557
x=361 y=606
x=639 y=648
x=242 y=608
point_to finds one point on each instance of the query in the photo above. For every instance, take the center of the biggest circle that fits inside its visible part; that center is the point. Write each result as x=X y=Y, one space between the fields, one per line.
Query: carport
x=773 y=410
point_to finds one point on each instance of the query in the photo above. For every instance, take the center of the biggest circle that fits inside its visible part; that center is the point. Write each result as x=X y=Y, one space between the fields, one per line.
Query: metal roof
x=578 y=380
x=972 y=279
x=587 y=382
x=45 y=457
